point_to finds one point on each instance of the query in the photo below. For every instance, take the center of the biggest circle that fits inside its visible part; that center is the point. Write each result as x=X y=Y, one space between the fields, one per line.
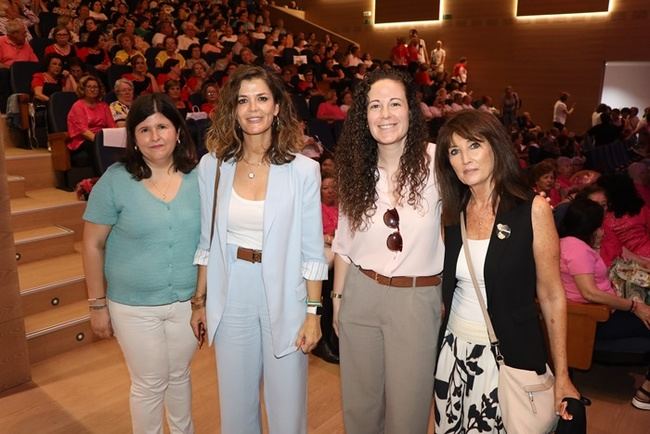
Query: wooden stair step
x=45 y=207
x=52 y=284
x=45 y=322
x=35 y=165
x=44 y=242
x=16 y=185
x=58 y=330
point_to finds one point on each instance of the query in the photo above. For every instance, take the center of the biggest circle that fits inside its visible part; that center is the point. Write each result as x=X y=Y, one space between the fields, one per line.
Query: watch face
x=315 y=310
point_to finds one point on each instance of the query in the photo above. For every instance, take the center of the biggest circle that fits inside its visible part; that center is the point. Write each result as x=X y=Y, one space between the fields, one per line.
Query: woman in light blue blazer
x=260 y=255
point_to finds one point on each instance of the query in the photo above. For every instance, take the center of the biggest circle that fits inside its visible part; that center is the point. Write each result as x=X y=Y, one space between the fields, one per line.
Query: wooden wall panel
x=14 y=360
x=390 y=11
x=540 y=57
x=548 y=7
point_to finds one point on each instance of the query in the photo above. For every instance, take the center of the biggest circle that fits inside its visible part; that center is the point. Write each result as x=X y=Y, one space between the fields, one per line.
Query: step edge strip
x=67 y=232
x=27 y=156
x=50 y=285
x=45 y=208
x=56 y=327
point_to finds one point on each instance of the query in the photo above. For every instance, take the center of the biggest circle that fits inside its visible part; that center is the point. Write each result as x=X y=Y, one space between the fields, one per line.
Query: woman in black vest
x=515 y=251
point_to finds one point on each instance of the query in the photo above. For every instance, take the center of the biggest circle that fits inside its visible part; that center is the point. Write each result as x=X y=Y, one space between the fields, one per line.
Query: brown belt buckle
x=256 y=256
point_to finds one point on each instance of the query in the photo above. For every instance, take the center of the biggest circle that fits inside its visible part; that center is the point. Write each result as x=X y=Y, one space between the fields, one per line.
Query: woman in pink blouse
x=585 y=279
x=88 y=115
x=328 y=347
x=389 y=255
x=329 y=206
x=626 y=228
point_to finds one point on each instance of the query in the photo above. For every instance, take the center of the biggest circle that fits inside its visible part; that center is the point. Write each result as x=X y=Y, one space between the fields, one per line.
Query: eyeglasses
x=394 y=240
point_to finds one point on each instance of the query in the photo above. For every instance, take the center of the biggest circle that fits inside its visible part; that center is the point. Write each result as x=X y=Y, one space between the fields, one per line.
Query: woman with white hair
x=120 y=109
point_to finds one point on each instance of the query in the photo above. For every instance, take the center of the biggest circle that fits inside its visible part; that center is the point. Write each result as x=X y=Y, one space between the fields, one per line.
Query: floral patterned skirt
x=465 y=388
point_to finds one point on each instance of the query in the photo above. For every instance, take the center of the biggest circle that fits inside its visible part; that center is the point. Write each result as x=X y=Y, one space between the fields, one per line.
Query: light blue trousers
x=245 y=360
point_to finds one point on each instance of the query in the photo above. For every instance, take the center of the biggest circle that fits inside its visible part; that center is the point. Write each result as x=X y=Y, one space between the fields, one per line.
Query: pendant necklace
x=163 y=193
x=251 y=173
x=485 y=211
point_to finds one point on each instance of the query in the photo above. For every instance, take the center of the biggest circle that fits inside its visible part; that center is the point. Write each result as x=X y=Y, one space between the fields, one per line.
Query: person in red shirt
x=13 y=47
x=62 y=45
x=459 y=73
x=210 y=96
x=53 y=79
x=399 y=53
x=413 y=50
x=422 y=77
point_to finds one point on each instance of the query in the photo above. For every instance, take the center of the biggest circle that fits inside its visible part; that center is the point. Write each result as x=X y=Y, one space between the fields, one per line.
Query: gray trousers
x=388 y=345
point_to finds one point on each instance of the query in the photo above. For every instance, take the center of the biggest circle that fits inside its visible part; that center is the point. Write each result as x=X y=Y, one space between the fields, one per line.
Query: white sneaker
x=638 y=402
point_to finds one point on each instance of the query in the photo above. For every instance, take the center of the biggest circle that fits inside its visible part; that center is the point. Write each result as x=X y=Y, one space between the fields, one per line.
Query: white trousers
x=158 y=345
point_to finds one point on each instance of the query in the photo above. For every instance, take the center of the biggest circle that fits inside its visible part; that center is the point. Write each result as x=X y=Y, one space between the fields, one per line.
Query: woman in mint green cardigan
x=141 y=231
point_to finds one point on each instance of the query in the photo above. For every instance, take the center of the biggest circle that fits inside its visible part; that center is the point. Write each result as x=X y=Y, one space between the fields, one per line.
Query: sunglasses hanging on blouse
x=394 y=240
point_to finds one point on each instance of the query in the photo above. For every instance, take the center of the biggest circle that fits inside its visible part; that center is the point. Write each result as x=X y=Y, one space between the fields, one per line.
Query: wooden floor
x=86 y=391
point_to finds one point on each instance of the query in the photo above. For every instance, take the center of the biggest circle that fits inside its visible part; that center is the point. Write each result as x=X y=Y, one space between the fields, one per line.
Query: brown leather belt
x=402 y=281
x=250 y=255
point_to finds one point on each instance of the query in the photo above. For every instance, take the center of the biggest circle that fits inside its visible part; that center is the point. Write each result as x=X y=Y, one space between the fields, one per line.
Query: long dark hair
x=622 y=196
x=184 y=156
x=583 y=217
x=510 y=187
x=357 y=154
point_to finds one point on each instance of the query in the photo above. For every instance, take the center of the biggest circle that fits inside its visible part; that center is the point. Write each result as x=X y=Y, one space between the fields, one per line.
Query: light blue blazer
x=292 y=244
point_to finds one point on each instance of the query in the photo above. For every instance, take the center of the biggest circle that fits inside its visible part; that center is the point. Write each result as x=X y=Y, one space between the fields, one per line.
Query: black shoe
x=324 y=352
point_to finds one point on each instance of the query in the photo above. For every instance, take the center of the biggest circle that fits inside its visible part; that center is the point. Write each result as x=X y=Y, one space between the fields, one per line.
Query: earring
x=178 y=140
x=136 y=148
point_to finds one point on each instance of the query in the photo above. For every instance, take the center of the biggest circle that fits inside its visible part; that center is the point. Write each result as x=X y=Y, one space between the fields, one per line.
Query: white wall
x=626 y=84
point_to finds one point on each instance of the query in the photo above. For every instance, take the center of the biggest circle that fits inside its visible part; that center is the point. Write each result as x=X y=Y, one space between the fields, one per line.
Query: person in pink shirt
x=626 y=228
x=388 y=259
x=585 y=279
x=329 y=206
x=640 y=173
x=88 y=115
x=328 y=110
x=328 y=347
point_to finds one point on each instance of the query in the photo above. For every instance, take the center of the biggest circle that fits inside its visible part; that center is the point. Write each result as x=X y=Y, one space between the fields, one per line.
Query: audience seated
x=53 y=79
x=143 y=81
x=88 y=115
x=120 y=109
x=62 y=45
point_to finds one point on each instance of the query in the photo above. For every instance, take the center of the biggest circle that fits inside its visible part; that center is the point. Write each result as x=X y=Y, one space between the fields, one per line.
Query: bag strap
x=217 y=175
x=494 y=341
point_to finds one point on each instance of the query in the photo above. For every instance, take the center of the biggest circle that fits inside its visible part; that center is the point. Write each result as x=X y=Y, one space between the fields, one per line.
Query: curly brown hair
x=225 y=138
x=357 y=154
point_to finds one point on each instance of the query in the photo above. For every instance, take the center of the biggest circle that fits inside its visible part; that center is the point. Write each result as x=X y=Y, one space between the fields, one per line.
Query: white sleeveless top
x=466 y=318
x=245 y=222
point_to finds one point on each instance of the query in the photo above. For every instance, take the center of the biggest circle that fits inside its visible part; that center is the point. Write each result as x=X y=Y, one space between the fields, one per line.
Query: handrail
x=294 y=16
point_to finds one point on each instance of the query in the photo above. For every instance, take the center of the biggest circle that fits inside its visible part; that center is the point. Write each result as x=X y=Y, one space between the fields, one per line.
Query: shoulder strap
x=490 y=329
x=217 y=175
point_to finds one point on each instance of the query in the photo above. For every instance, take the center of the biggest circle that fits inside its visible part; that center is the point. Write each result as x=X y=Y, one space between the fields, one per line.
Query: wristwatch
x=315 y=310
